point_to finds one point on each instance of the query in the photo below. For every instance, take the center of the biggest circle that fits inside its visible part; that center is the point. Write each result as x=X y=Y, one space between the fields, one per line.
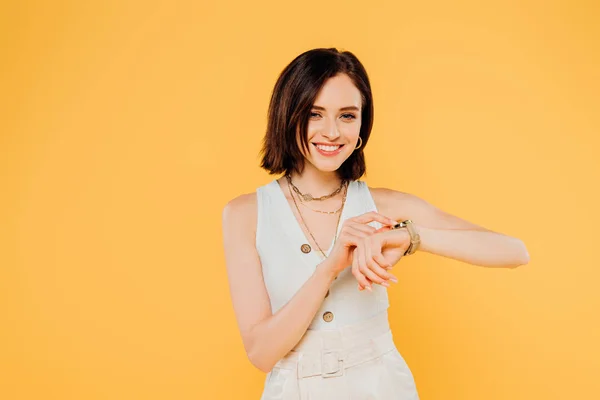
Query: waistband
x=329 y=352
x=344 y=337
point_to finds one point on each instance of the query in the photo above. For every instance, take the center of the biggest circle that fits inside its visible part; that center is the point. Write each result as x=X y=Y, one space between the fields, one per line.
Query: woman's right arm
x=267 y=337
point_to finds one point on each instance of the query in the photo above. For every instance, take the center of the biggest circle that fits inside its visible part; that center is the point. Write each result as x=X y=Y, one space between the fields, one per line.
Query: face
x=334 y=124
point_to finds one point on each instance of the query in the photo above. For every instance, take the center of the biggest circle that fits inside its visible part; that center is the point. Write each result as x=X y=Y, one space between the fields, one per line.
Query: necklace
x=308 y=196
x=321 y=211
x=306 y=226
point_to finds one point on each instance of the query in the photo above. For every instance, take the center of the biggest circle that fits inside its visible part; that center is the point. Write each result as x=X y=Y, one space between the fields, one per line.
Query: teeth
x=327 y=148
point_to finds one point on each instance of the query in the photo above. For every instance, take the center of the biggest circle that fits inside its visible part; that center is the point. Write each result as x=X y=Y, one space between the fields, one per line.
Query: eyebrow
x=349 y=108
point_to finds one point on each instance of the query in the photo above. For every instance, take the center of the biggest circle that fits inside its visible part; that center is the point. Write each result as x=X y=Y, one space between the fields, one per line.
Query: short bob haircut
x=291 y=102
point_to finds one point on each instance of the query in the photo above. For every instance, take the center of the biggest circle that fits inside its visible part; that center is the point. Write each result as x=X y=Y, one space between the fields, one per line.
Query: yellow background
x=125 y=126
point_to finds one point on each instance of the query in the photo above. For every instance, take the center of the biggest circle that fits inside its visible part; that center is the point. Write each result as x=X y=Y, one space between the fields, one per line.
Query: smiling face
x=334 y=124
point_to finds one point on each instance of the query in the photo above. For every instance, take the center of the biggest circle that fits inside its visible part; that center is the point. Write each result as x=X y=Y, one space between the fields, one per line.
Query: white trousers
x=357 y=362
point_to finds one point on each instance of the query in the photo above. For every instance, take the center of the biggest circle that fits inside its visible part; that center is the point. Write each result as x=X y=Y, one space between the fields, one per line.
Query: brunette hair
x=291 y=102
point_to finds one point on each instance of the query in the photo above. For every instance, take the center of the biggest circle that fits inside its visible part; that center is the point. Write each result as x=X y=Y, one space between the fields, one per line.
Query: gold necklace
x=306 y=226
x=321 y=211
x=308 y=196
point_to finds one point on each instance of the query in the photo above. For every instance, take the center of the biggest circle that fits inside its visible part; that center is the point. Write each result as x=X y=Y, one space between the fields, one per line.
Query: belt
x=331 y=362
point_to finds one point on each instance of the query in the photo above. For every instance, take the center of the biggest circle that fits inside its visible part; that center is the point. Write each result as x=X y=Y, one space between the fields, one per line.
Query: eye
x=349 y=116
x=313 y=114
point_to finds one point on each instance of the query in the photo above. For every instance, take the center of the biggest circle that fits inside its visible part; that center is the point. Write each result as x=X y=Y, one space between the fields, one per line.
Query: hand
x=377 y=254
x=351 y=233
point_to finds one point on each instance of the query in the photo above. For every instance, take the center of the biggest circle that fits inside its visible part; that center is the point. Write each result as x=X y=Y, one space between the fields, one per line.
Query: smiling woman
x=303 y=312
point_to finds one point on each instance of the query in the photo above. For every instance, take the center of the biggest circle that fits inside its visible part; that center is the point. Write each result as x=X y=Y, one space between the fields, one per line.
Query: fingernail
x=394 y=280
x=369 y=288
x=385 y=284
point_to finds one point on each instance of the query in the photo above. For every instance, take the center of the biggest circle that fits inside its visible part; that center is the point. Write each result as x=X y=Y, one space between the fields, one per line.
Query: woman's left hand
x=376 y=254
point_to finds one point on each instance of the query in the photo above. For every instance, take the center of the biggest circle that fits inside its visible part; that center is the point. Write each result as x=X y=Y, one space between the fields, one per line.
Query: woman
x=309 y=254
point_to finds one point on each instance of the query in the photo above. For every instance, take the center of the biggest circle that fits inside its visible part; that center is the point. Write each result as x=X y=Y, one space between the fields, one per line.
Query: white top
x=279 y=239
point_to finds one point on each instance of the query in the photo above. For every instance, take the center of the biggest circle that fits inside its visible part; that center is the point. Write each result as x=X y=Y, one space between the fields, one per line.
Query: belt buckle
x=331 y=364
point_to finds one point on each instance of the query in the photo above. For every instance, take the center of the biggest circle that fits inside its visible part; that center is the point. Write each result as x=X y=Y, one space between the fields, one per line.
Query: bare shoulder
x=382 y=193
x=243 y=202
x=240 y=211
x=388 y=201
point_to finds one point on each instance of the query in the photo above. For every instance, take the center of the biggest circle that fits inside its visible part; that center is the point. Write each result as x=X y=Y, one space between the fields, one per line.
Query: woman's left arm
x=447 y=235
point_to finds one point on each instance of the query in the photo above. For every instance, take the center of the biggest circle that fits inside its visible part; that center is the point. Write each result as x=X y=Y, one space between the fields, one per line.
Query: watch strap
x=415 y=238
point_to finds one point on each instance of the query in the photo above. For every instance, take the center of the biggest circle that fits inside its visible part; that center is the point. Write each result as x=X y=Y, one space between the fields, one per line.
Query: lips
x=328 y=149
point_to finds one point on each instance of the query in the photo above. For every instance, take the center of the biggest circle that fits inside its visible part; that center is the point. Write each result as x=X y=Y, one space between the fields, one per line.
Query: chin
x=326 y=166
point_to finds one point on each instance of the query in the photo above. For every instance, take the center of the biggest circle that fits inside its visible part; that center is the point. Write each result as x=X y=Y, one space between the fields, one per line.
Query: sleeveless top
x=285 y=267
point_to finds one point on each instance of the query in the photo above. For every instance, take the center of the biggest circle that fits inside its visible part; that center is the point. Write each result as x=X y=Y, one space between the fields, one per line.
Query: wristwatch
x=415 y=238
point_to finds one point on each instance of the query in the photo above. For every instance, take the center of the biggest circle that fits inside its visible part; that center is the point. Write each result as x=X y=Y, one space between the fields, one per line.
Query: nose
x=331 y=131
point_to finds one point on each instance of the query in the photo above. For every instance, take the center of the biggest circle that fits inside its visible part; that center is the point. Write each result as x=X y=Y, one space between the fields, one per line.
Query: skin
x=268 y=337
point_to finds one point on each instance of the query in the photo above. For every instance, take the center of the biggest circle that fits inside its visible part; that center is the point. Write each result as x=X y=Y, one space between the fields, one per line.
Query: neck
x=317 y=183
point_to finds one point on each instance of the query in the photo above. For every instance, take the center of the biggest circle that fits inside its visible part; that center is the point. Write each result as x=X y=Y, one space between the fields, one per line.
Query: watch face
x=399 y=225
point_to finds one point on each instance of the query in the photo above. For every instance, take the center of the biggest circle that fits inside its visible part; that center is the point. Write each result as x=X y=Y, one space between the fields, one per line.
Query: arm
x=449 y=236
x=267 y=337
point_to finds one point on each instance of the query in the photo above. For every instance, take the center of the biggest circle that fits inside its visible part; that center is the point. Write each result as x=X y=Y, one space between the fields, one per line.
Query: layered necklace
x=308 y=197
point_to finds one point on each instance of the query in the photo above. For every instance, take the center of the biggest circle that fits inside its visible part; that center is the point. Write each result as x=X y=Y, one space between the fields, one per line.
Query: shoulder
x=240 y=203
x=397 y=203
x=385 y=195
x=240 y=211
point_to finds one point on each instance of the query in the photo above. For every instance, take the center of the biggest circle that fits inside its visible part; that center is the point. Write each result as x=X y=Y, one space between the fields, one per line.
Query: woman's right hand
x=353 y=229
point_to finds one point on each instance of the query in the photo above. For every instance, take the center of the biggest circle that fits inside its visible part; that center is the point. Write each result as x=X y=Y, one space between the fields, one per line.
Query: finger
x=373 y=216
x=372 y=267
x=379 y=264
x=362 y=281
x=363 y=228
x=384 y=228
x=360 y=287
x=382 y=267
x=357 y=234
x=372 y=277
x=356 y=231
x=363 y=266
x=383 y=264
x=350 y=237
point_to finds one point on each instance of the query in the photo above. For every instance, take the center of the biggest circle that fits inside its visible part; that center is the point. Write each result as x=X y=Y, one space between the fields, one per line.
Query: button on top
x=328 y=316
x=305 y=248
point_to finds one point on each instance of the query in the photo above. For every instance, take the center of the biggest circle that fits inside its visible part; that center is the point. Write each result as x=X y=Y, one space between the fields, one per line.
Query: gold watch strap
x=415 y=238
